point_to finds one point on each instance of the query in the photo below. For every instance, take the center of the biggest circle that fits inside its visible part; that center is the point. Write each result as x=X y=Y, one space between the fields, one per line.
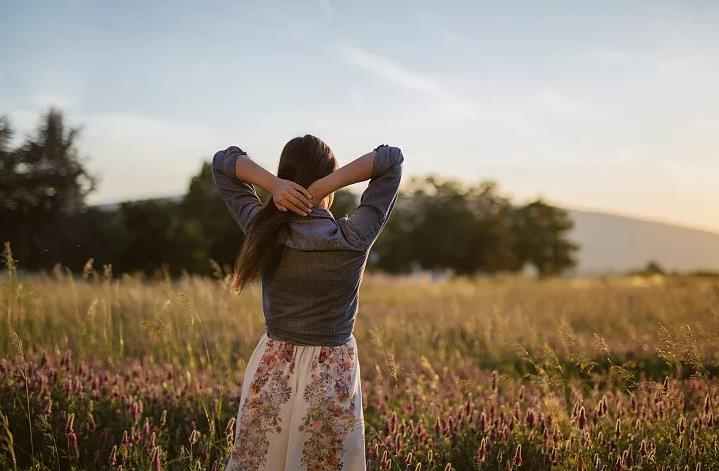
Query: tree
x=541 y=238
x=441 y=224
x=43 y=183
x=492 y=246
x=221 y=236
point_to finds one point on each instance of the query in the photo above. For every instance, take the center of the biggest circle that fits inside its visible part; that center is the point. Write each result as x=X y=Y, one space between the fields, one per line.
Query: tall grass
x=108 y=372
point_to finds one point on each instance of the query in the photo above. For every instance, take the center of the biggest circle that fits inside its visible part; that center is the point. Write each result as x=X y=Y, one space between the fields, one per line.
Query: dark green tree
x=492 y=245
x=541 y=238
x=443 y=224
x=43 y=185
x=157 y=237
x=220 y=236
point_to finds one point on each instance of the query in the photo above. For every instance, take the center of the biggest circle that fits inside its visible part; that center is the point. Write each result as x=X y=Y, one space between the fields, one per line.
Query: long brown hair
x=303 y=160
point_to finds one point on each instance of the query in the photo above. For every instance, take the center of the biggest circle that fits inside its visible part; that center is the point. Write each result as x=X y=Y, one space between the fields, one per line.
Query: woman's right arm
x=383 y=167
x=356 y=171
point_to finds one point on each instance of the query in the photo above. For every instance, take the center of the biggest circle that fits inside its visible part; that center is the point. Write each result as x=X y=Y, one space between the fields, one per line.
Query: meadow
x=131 y=372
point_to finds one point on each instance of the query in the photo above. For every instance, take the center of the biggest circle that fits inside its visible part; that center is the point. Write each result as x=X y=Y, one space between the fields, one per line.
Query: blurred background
x=550 y=138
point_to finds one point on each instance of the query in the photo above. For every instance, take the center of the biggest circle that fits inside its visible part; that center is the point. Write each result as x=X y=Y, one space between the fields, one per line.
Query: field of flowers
x=103 y=372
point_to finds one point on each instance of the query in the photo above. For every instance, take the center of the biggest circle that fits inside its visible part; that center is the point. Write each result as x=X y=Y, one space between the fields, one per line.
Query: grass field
x=126 y=373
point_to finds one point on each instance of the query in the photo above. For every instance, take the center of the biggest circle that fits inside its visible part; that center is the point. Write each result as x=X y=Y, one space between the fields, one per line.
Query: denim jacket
x=312 y=296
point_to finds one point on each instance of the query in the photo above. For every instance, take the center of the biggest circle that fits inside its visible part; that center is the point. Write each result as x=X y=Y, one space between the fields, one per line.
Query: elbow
x=388 y=159
x=394 y=152
x=218 y=160
x=224 y=160
x=396 y=157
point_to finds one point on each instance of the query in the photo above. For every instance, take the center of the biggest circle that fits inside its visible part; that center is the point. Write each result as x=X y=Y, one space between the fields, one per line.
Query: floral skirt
x=300 y=409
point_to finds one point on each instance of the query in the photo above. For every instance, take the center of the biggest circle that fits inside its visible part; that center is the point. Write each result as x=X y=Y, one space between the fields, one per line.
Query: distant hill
x=613 y=243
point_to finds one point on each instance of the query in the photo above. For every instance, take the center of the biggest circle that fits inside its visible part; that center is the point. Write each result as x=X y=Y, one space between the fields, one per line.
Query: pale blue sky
x=611 y=106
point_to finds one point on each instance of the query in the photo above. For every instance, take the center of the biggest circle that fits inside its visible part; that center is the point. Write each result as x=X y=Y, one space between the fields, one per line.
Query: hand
x=287 y=194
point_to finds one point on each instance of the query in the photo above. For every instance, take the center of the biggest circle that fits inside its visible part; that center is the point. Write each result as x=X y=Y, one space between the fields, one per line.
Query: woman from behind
x=301 y=401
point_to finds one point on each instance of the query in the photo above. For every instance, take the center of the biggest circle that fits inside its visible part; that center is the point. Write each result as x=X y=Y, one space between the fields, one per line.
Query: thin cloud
x=405 y=77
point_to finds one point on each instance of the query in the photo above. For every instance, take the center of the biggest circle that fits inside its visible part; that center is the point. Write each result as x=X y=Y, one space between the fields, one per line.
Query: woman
x=301 y=401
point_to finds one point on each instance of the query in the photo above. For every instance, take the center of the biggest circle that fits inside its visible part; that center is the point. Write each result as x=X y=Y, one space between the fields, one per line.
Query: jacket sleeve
x=239 y=196
x=378 y=200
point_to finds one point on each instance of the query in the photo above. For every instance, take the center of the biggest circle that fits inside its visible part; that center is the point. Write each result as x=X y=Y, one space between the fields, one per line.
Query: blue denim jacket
x=312 y=296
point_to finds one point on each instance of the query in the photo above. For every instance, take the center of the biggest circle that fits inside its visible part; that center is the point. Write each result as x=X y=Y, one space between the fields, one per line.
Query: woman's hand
x=287 y=194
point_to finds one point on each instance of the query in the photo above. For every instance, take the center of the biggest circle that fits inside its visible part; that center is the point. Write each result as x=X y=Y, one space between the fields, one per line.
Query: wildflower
x=530 y=418
x=156 y=462
x=681 y=426
x=194 y=436
x=438 y=428
x=230 y=428
x=582 y=418
x=481 y=453
x=627 y=457
x=518 y=456
x=374 y=454
x=618 y=429
x=603 y=406
x=112 y=460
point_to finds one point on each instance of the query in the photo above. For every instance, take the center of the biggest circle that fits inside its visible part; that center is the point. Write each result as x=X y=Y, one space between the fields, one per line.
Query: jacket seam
x=336 y=314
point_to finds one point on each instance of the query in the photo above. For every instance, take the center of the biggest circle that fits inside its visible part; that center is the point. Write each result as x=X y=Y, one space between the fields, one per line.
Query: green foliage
x=442 y=224
x=541 y=238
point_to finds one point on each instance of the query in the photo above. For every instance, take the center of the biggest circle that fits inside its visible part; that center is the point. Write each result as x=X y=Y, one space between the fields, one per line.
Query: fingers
x=303 y=191
x=300 y=200
x=294 y=208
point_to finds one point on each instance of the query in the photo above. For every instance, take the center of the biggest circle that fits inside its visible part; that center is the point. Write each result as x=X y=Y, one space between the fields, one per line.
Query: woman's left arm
x=234 y=173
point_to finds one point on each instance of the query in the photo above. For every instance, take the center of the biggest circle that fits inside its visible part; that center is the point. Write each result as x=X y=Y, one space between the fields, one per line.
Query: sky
x=610 y=105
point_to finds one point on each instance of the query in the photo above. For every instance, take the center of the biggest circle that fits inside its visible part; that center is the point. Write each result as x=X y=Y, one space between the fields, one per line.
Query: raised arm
x=234 y=173
x=383 y=167
x=356 y=171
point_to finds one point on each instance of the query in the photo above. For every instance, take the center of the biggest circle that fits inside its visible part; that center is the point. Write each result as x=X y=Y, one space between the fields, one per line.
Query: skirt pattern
x=300 y=409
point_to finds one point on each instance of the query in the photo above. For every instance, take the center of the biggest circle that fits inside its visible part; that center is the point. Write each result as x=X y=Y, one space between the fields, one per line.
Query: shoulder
x=351 y=238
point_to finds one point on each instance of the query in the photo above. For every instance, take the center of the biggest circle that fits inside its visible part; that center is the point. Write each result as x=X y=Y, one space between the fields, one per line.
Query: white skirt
x=300 y=409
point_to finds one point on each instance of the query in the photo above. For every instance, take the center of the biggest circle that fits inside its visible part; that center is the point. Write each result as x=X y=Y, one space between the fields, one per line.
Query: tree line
x=438 y=224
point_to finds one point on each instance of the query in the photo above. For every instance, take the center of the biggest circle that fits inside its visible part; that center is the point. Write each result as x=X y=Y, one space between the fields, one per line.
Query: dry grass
x=568 y=341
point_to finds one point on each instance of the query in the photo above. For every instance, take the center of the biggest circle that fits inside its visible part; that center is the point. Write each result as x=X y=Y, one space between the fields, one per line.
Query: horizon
x=608 y=108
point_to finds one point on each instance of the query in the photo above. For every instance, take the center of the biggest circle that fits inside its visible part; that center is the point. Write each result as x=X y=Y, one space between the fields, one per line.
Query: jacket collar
x=318 y=212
